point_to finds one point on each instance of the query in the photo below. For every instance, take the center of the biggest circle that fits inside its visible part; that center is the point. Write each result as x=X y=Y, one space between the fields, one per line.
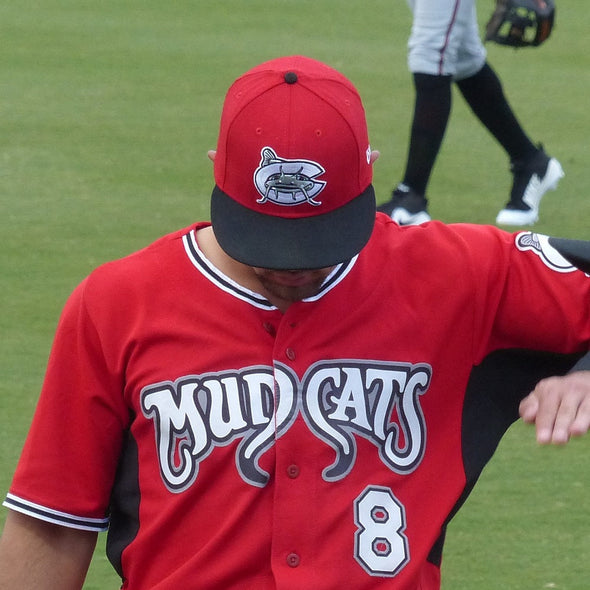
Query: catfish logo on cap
x=287 y=182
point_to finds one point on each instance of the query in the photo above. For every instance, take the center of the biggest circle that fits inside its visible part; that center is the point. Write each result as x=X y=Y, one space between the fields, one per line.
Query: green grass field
x=107 y=110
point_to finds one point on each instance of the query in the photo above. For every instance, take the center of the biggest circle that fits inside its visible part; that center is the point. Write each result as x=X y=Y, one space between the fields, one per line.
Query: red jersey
x=225 y=444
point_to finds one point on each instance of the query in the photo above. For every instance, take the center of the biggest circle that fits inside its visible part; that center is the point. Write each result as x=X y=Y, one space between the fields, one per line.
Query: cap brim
x=267 y=241
x=575 y=251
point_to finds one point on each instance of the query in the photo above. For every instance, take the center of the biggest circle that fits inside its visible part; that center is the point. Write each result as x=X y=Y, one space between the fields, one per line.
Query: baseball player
x=445 y=47
x=280 y=398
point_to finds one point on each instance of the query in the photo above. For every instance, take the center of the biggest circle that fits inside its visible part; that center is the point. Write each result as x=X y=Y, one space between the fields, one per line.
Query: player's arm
x=38 y=555
x=560 y=406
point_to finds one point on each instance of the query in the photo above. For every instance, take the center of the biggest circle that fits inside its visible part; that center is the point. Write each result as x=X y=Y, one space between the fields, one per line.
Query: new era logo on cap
x=293 y=148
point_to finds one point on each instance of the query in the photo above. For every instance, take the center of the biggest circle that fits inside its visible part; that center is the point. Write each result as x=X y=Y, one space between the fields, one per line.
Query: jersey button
x=293 y=560
x=293 y=471
x=290 y=354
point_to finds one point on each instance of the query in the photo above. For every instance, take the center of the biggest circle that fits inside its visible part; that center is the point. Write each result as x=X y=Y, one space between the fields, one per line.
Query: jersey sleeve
x=527 y=295
x=68 y=463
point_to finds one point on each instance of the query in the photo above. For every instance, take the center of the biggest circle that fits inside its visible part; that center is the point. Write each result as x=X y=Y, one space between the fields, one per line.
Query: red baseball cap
x=293 y=170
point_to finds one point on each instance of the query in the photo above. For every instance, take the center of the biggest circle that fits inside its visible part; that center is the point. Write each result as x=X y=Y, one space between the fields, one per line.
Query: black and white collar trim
x=228 y=285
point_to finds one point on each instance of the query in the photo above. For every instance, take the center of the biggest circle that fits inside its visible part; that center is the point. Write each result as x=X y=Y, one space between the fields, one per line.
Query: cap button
x=290 y=77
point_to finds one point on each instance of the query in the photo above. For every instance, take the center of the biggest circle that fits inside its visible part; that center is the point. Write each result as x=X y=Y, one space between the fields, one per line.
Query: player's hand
x=559 y=407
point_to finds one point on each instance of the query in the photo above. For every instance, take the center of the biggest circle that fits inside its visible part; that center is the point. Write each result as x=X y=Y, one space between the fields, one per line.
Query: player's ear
x=211 y=155
x=374 y=155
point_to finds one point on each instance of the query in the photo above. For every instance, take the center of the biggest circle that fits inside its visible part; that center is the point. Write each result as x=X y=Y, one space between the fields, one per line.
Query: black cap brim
x=279 y=243
x=575 y=251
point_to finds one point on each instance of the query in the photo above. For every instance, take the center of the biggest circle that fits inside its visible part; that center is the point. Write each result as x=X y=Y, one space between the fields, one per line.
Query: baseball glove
x=521 y=23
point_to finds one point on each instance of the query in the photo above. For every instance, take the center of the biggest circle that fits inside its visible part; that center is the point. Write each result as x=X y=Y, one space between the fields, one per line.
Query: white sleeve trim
x=55 y=516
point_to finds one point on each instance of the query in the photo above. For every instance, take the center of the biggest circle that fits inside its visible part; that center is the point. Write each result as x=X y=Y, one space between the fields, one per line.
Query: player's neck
x=240 y=273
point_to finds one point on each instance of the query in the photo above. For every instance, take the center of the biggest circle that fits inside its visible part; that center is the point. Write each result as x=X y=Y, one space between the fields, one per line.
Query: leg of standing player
x=444 y=46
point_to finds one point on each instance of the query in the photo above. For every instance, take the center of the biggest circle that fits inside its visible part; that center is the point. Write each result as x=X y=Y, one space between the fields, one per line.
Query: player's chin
x=291 y=288
x=293 y=293
x=292 y=285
